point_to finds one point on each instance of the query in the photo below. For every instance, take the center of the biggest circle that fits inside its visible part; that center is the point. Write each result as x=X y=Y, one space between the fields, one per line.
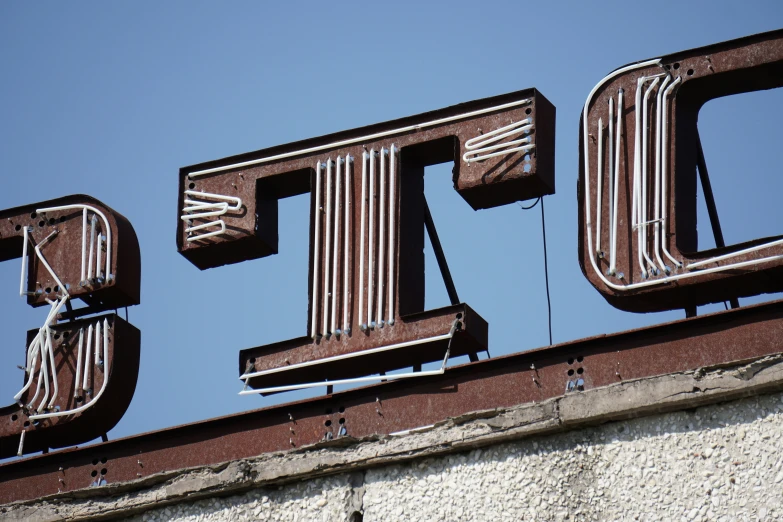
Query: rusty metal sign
x=639 y=151
x=366 y=186
x=80 y=369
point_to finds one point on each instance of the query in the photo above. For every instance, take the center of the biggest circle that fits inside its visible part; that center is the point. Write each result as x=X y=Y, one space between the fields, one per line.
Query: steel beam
x=536 y=375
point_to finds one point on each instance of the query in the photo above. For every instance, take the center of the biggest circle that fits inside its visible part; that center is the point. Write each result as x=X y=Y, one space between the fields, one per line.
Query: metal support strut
x=709 y=199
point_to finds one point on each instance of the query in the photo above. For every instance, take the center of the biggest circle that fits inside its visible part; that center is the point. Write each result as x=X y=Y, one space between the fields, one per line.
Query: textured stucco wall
x=722 y=462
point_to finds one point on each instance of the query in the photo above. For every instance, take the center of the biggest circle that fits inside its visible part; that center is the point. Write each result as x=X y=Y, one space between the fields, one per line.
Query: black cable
x=546 y=271
x=531 y=206
x=546 y=262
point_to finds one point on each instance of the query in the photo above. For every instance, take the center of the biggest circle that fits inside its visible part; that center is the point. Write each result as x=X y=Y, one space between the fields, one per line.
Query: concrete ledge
x=580 y=409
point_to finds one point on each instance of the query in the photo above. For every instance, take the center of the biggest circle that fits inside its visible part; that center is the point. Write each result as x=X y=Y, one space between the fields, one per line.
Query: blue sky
x=111 y=99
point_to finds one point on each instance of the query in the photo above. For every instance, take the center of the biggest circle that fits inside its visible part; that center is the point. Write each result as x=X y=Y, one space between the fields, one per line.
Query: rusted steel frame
x=437 y=248
x=733 y=335
x=709 y=200
x=734 y=67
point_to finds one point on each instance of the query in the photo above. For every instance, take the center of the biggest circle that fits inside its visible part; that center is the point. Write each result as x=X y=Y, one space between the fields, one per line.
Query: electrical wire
x=531 y=206
x=546 y=262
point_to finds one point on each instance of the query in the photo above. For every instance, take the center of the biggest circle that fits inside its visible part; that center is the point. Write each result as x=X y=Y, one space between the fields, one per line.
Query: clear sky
x=111 y=99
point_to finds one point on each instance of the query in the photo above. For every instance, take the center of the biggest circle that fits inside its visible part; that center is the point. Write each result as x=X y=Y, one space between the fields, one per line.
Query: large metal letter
x=367 y=236
x=80 y=372
x=637 y=193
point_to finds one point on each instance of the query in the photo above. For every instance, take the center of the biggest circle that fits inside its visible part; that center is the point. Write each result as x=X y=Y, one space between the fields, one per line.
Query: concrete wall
x=578 y=457
x=716 y=463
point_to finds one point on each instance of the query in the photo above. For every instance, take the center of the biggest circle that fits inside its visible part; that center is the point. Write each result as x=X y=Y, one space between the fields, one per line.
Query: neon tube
x=616 y=190
x=77 y=383
x=361 y=240
x=35 y=347
x=220 y=209
x=637 y=172
x=206 y=195
x=53 y=367
x=345 y=356
x=744 y=251
x=491 y=137
x=47 y=347
x=316 y=251
x=327 y=247
x=658 y=149
x=25 y=239
x=355 y=380
x=362 y=139
x=98 y=263
x=97 y=344
x=219 y=223
x=90 y=267
x=643 y=208
x=505 y=152
x=32 y=356
x=664 y=162
x=347 y=243
x=84 y=243
x=600 y=175
x=87 y=355
x=100 y=392
x=392 y=227
x=381 y=238
x=46 y=264
x=370 y=276
x=335 y=261
x=612 y=175
x=109 y=275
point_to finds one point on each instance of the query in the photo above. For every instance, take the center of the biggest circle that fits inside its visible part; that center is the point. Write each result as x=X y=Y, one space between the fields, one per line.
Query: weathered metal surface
x=59 y=234
x=122 y=368
x=745 y=65
x=64 y=252
x=470 y=339
x=536 y=375
x=252 y=232
x=367 y=217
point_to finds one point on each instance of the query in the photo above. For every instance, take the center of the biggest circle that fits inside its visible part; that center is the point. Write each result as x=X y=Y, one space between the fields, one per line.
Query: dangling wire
x=531 y=206
x=546 y=272
x=546 y=262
